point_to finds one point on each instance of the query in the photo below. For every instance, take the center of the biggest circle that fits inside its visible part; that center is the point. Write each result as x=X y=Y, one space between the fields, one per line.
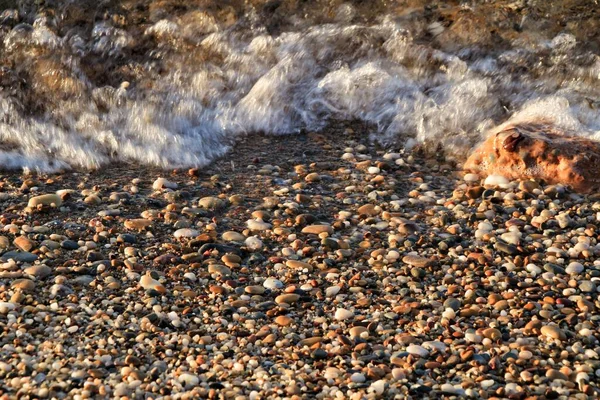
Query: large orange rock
x=540 y=152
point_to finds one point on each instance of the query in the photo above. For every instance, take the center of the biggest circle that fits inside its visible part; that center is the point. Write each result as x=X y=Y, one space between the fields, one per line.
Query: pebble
x=231 y=236
x=417 y=350
x=186 y=233
x=45 y=200
x=317 y=229
x=162 y=183
x=553 y=331
x=272 y=283
x=342 y=314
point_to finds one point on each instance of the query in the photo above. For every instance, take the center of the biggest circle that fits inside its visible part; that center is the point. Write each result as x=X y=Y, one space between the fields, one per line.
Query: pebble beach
x=315 y=266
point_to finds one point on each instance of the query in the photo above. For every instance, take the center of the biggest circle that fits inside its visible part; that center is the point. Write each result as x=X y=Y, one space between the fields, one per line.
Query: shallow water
x=171 y=86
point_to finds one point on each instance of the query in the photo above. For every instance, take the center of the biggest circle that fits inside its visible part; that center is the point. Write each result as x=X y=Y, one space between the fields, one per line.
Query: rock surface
x=540 y=152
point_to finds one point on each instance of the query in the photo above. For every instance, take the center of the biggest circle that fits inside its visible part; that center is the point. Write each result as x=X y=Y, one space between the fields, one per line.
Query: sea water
x=178 y=90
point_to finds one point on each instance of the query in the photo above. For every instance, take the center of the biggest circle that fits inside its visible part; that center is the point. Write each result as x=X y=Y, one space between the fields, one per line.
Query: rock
x=211 y=203
x=25 y=285
x=553 y=331
x=69 y=245
x=332 y=291
x=19 y=256
x=283 y=320
x=342 y=314
x=574 y=268
x=149 y=283
x=295 y=264
x=219 y=269
x=369 y=210
x=232 y=236
x=357 y=331
x=272 y=283
x=189 y=380
x=258 y=225
x=162 y=183
x=416 y=261
x=186 y=233
x=255 y=290
x=587 y=286
x=288 y=298
x=4 y=243
x=45 y=200
x=317 y=229
x=24 y=243
x=492 y=334
x=38 y=271
x=138 y=224
x=417 y=350
x=496 y=181
x=540 y=152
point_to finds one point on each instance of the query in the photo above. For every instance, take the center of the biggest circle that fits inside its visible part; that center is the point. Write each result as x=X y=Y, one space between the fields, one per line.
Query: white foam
x=302 y=80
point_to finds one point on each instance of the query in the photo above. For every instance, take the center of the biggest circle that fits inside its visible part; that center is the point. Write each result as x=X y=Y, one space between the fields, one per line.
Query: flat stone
x=416 y=261
x=288 y=298
x=39 y=271
x=219 y=269
x=295 y=264
x=186 y=233
x=45 y=200
x=317 y=229
x=342 y=314
x=283 y=320
x=211 y=203
x=369 y=210
x=24 y=243
x=19 y=256
x=138 y=224
x=25 y=285
x=553 y=331
x=232 y=236
x=417 y=350
x=162 y=183
x=254 y=289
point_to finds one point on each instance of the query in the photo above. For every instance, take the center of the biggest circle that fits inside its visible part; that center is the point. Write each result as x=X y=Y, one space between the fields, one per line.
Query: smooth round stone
x=283 y=320
x=574 y=268
x=272 y=283
x=219 y=269
x=317 y=229
x=342 y=314
x=211 y=203
x=357 y=377
x=416 y=261
x=69 y=245
x=496 y=181
x=553 y=331
x=45 y=200
x=39 y=271
x=255 y=289
x=162 y=183
x=471 y=178
x=26 y=285
x=533 y=269
x=295 y=264
x=587 y=286
x=258 y=225
x=417 y=350
x=253 y=243
x=288 y=298
x=232 y=236
x=186 y=233
x=357 y=331
x=188 y=379
x=332 y=291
